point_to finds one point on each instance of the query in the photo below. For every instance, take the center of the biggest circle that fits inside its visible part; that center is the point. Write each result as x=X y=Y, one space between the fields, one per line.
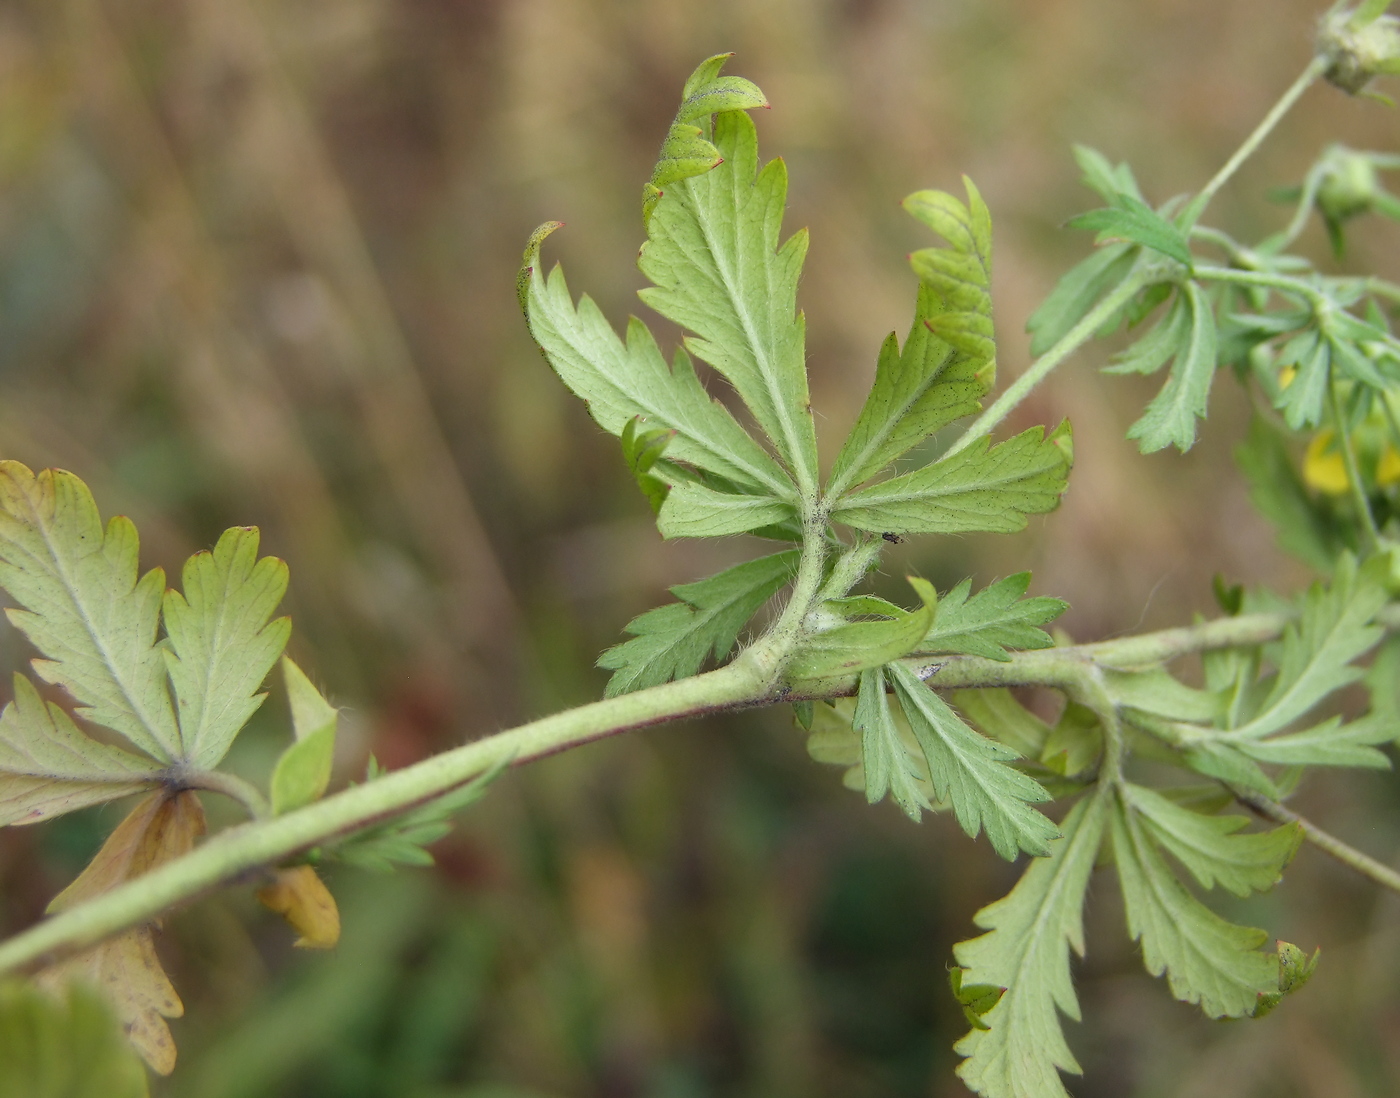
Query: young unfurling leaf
x=855 y=646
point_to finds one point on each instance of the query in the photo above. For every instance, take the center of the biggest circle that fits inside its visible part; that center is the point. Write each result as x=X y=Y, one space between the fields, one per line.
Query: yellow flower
x=1388 y=471
x=1323 y=467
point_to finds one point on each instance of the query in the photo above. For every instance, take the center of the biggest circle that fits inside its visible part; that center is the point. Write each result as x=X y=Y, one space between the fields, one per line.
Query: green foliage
x=997 y=618
x=1207 y=959
x=967 y=771
x=80 y=602
x=304 y=770
x=977 y=489
x=1026 y=950
x=67 y=1046
x=402 y=840
x=673 y=641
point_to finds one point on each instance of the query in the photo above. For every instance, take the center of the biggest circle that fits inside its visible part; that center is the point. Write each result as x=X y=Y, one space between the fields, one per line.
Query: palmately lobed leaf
x=222 y=643
x=721 y=273
x=83 y=606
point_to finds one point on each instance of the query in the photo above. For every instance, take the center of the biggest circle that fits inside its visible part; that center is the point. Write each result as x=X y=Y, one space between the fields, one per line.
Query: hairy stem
x=1251 y=144
x=1348 y=855
x=234 y=853
x=1040 y=369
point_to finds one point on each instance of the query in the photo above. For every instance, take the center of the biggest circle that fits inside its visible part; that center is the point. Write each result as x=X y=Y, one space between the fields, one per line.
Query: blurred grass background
x=256 y=267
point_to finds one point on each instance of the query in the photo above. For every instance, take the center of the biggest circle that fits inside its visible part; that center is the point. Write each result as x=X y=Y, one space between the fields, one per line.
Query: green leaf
x=1334 y=629
x=400 y=841
x=918 y=390
x=999 y=715
x=975 y=999
x=1155 y=690
x=1295 y=968
x=889 y=765
x=1076 y=293
x=719 y=272
x=948 y=360
x=1170 y=420
x=1130 y=218
x=621 y=382
x=969 y=771
x=998 y=617
x=641 y=450
x=1026 y=951
x=1169 y=337
x=694 y=511
x=1330 y=743
x=1102 y=177
x=975 y=489
x=49 y=767
x=1207 y=960
x=1302 y=402
x=1228 y=764
x=222 y=644
x=685 y=152
x=1210 y=847
x=854 y=647
x=1275 y=488
x=83 y=607
x=303 y=771
x=1075 y=743
x=672 y=641
x=68 y=1046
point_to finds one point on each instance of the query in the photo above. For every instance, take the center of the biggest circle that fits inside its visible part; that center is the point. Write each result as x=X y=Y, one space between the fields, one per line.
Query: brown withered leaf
x=302 y=898
x=126 y=968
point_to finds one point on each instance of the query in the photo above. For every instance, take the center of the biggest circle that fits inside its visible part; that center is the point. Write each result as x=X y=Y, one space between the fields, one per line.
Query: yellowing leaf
x=82 y=605
x=49 y=767
x=126 y=968
x=302 y=898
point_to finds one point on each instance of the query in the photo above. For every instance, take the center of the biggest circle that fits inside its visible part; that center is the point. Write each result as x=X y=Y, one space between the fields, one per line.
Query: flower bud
x=1359 y=44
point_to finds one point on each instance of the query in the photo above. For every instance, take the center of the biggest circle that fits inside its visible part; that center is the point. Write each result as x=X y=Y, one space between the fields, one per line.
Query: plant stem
x=1358 y=490
x=230 y=785
x=1305 y=80
x=1072 y=340
x=1323 y=840
x=233 y=853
